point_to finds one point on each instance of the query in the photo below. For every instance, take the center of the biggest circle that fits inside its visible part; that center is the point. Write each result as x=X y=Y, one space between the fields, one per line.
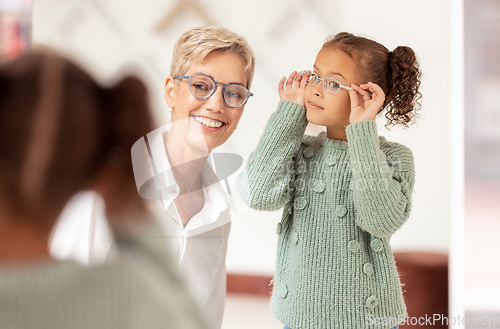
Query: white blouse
x=83 y=234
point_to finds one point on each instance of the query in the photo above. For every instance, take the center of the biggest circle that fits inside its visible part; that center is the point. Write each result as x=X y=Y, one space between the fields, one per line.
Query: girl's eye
x=333 y=85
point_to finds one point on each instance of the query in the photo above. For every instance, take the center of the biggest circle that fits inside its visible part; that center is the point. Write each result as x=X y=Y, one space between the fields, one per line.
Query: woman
x=207 y=90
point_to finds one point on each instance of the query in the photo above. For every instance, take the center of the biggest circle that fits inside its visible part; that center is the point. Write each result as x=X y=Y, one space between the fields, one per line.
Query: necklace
x=194 y=205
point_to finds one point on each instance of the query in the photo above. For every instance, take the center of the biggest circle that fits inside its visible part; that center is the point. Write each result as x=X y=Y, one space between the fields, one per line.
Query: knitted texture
x=342 y=202
x=140 y=288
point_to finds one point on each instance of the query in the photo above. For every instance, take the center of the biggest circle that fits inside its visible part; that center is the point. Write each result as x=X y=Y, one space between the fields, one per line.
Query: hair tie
x=390 y=58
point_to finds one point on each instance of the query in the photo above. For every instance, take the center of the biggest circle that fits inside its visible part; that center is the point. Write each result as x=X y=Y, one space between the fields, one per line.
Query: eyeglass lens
x=329 y=84
x=234 y=95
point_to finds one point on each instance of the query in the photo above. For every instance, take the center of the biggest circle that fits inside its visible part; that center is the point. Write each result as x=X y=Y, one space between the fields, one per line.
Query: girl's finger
x=298 y=79
x=289 y=81
x=373 y=87
x=378 y=91
x=378 y=94
x=354 y=99
x=364 y=93
x=303 y=85
x=378 y=100
x=281 y=84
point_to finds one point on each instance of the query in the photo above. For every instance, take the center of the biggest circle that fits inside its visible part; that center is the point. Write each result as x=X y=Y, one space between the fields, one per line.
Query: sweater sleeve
x=382 y=180
x=264 y=184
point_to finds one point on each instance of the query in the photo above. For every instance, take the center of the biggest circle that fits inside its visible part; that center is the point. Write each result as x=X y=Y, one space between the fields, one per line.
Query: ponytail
x=127 y=118
x=403 y=75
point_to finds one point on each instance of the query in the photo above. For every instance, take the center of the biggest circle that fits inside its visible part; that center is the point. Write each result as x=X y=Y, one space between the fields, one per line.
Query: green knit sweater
x=139 y=288
x=342 y=201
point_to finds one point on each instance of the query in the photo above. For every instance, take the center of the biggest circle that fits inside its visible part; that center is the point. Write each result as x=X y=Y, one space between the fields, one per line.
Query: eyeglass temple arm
x=347 y=88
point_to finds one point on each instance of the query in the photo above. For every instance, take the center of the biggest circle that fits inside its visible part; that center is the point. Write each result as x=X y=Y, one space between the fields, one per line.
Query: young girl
x=345 y=192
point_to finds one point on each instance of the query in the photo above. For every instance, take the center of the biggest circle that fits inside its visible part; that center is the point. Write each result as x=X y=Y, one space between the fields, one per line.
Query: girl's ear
x=170 y=92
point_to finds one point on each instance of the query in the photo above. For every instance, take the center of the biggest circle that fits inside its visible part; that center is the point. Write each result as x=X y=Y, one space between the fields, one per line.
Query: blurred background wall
x=482 y=156
x=285 y=35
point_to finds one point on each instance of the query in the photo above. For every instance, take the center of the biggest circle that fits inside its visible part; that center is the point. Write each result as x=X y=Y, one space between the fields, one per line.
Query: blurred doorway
x=482 y=163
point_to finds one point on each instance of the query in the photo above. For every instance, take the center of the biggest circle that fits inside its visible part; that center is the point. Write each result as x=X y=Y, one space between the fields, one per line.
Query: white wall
x=285 y=35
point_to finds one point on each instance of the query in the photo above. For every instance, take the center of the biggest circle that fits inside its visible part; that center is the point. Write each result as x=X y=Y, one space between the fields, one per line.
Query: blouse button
x=368 y=269
x=319 y=186
x=300 y=203
x=341 y=210
x=353 y=246
x=371 y=302
x=377 y=245
x=308 y=152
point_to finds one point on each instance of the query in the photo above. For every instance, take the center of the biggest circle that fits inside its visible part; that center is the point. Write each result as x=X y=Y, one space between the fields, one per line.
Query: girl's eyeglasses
x=203 y=87
x=329 y=84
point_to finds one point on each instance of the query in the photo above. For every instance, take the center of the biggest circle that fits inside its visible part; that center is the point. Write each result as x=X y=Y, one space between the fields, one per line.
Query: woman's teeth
x=209 y=122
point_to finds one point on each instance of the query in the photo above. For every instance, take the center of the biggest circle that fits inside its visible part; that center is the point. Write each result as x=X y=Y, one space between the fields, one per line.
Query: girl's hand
x=293 y=90
x=366 y=102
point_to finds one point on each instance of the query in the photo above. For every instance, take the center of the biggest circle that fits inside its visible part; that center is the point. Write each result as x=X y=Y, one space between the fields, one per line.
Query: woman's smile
x=208 y=123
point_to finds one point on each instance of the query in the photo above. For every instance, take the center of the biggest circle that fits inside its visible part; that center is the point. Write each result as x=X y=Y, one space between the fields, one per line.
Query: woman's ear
x=170 y=92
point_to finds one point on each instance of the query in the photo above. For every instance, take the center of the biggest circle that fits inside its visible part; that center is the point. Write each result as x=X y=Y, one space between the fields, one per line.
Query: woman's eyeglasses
x=329 y=84
x=203 y=87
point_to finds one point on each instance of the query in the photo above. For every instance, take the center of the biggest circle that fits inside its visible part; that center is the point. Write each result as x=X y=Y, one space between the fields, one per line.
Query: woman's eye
x=200 y=86
x=234 y=94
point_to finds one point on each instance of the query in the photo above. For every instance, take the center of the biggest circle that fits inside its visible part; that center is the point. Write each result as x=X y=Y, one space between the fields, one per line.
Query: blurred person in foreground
x=61 y=132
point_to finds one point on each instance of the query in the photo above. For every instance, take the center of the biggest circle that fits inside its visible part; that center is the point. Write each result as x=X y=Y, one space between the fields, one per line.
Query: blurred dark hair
x=58 y=127
x=397 y=72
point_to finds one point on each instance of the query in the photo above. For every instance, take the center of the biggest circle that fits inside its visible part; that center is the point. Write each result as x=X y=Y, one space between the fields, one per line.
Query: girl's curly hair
x=397 y=72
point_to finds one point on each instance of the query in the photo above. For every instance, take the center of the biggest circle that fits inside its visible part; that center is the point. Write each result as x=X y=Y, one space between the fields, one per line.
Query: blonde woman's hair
x=196 y=43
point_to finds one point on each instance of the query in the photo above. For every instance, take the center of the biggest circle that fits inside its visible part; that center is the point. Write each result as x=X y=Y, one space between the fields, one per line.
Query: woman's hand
x=366 y=102
x=292 y=89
